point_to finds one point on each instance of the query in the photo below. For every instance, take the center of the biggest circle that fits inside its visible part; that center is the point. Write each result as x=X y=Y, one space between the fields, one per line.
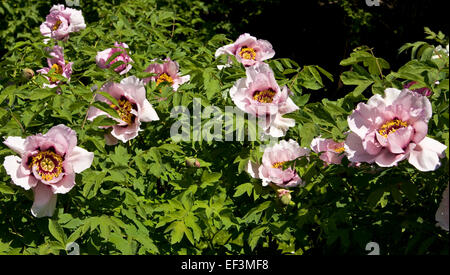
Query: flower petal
x=17 y=144
x=12 y=166
x=400 y=139
x=148 y=113
x=354 y=148
x=388 y=159
x=80 y=159
x=64 y=185
x=425 y=155
x=44 y=201
x=252 y=169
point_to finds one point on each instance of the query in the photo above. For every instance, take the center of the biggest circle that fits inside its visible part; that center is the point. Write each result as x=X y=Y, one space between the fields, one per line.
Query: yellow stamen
x=265 y=96
x=247 y=53
x=164 y=78
x=278 y=164
x=48 y=164
x=124 y=110
x=339 y=149
x=56 y=26
x=392 y=126
x=58 y=70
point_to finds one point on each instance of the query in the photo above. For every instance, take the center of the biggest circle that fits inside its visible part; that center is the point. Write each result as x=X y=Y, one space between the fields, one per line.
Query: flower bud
x=192 y=162
x=285 y=196
x=27 y=73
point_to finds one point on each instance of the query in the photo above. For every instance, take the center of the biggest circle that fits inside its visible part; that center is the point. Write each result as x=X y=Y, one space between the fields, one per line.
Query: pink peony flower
x=47 y=164
x=248 y=50
x=390 y=129
x=103 y=56
x=59 y=65
x=61 y=22
x=167 y=72
x=271 y=169
x=259 y=94
x=421 y=91
x=331 y=152
x=442 y=212
x=133 y=108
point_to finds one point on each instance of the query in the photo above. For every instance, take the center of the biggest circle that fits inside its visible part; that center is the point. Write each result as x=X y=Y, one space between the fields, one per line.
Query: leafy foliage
x=146 y=197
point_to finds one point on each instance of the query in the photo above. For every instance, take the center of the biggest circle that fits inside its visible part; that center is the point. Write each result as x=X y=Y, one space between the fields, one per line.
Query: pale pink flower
x=392 y=128
x=442 y=212
x=248 y=50
x=47 y=164
x=62 y=21
x=259 y=94
x=103 y=56
x=271 y=169
x=421 y=91
x=133 y=108
x=331 y=152
x=166 y=72
x=60 y=66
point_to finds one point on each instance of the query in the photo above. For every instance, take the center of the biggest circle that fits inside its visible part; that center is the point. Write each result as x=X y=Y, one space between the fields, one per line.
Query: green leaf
x=177 y=230
x=4 y=189
x=112 y=99
x=106 y=108
x=208 y=177
x=57 y=232
x=244 y=188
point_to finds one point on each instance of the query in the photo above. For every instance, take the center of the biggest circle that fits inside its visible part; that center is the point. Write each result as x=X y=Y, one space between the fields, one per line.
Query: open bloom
x=103 y=56
x=167 y=72
x=392 y=128
x=132 y=109
x=47 y=165
x=442 y=212
x=61 y=21
x=274 y=157
x=259 y=94
x=421 y=91
x=331 y=152
x=248 y=50
x=60 y=66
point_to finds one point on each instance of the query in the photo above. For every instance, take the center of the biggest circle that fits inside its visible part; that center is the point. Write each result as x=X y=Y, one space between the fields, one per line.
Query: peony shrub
x=262 y=168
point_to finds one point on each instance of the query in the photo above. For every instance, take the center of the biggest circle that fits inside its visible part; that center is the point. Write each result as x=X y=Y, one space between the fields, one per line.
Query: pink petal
x=252 y=168
x=388 y=159
x=64 y=136
x=110 y=139
x=126 y=133
x=80 y=159
x=147 y=113
x=400 y=139
x=17 y=144
x=371 y=144
x=421 y=130
x=64 y=185
x=12 y=166
x=289 y=106
x=354 y=148
x=279 y=126
x=102 y=57
x=425 y=155
x=44 y=201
